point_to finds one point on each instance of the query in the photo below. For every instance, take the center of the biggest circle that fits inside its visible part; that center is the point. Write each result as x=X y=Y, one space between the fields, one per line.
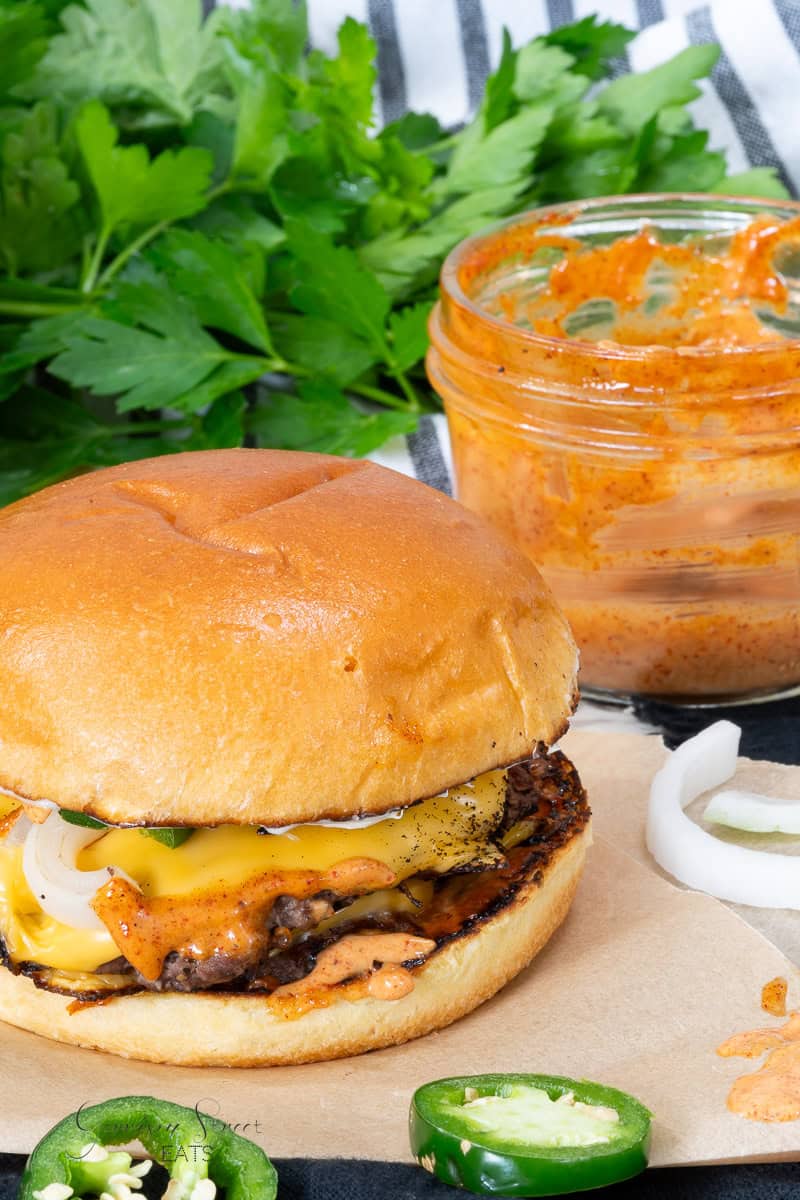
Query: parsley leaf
x=271 y=29
x=758 y=181
x=131 y=187
x=682 y=164
x=153 y=56
x=543 y=73
x=409 y=332
x=633 y=100
x=147 y=347
x=23 y=41
x=233 y=374
x=499 y=100
x=416 y=131
x=222 y=426
x=43 y=437
x=171 y=837
x=211 y=273
x=405 y=262
x=502 y=158
x=235 y=219
x=322 y=346
x=261 y=139
x=322 y=418
x=82 y=819
x=333 y=283
x=591 y=43
x=38 y=198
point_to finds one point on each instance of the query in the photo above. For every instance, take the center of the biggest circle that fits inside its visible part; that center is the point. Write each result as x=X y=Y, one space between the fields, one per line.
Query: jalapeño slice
x=528 y=1135
x=201 y=1153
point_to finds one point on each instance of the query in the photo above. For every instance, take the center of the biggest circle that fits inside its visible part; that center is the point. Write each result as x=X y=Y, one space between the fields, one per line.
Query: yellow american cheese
x=31 y=935
x=7 y=805
x=436 y=835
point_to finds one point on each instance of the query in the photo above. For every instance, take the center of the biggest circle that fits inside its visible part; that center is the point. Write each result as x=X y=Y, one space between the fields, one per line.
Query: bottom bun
x=214 y=1029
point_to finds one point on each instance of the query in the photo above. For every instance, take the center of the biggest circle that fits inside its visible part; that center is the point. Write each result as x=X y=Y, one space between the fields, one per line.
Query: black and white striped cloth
x=434 y=56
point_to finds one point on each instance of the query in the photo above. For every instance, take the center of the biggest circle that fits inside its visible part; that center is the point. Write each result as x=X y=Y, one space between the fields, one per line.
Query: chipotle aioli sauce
x=628 y=410
x=772 y=1093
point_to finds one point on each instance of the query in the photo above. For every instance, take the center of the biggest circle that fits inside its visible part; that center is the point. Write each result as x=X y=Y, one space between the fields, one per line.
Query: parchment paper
x=638 y=987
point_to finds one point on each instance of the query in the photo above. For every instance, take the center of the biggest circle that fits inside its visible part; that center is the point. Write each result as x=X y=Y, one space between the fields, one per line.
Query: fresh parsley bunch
x=203 y=241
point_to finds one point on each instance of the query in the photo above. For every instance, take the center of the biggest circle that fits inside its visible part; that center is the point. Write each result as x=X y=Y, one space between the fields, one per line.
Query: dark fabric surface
x=349 y=1180
x=769 y=731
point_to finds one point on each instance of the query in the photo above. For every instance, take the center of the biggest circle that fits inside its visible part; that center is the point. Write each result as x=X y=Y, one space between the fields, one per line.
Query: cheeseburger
x=275 y=785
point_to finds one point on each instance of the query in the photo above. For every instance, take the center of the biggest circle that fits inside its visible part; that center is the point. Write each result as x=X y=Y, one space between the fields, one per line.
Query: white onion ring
x=753 y=813
x=48 y=860
x=697 y=858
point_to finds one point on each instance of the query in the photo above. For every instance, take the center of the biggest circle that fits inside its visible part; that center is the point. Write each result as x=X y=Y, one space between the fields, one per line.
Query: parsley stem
x=387 y=399
x=90 y=277
x=116 y=264
x=407 y=390
x=27 y=308
x=137 y=244
x=379 y=395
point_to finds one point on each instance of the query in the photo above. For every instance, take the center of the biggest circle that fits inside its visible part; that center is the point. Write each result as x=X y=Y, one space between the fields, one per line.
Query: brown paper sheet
x=636 y=990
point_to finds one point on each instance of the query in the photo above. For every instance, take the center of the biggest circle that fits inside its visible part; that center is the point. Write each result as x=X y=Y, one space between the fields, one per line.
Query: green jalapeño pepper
x=528 y=1135
x=201 y=1153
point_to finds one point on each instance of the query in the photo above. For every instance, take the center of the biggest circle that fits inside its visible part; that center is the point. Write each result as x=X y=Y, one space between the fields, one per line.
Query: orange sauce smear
x=201 y=924
x=773 y=996
x=354 y=955
x=772 y=1093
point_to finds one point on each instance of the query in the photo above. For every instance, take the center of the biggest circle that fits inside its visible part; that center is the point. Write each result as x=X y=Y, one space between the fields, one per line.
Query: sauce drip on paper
x=772 y=1093
x=773 y=996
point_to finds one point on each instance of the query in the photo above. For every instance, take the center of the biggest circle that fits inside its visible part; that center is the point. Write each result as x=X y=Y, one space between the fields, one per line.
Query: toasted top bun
x=263 y=637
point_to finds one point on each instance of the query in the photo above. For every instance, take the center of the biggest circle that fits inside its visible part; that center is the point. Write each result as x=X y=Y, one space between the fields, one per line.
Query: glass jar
x=656 y=486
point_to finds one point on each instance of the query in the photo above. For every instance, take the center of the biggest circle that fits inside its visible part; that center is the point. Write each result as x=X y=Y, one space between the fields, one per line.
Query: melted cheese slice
x=437 y=835
x=8 y=805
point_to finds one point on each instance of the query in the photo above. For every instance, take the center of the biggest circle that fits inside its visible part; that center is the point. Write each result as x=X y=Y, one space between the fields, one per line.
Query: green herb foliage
x=169 y=836
x=203 y=241
x=82 y=819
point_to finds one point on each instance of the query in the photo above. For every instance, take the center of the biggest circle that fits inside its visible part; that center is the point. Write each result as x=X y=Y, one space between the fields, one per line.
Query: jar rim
x=450 y=283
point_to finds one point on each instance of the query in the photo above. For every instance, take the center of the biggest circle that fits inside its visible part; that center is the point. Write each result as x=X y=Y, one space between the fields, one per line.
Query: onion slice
x=753 y=813
x=48 y=861
x=18 y=831
x=697 y=858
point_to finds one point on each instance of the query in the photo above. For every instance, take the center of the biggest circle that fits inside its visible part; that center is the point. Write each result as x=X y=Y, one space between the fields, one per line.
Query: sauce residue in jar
x=772 y=1093
x=667 y=294
x=773 y=996
x=628 y=412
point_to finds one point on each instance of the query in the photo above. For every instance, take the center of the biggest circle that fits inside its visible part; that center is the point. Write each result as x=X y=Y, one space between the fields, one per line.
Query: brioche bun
x=262 y=637
x=214 y=1029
